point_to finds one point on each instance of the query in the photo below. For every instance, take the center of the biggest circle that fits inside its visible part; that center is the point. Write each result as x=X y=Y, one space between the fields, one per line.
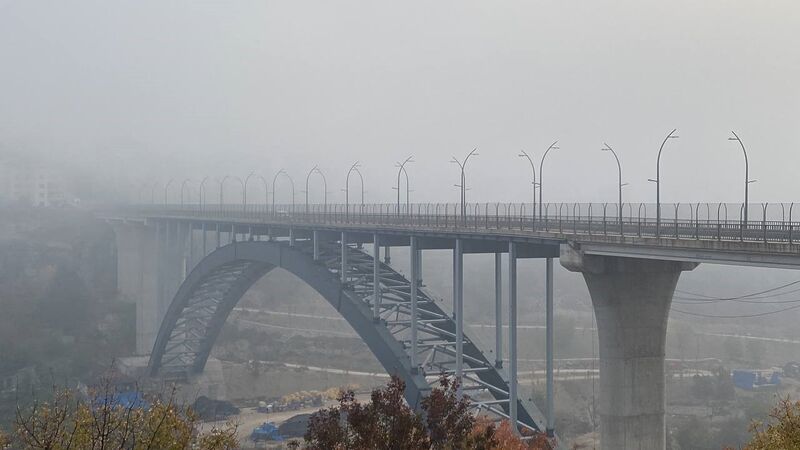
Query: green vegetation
x=61 y=320
x=71 y=421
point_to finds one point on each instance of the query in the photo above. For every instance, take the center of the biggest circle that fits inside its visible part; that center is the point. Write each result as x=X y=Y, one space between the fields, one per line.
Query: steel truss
x=206 y=298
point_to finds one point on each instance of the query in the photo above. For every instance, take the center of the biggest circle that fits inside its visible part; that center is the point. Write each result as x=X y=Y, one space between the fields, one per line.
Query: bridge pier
x=631 y=299
x=138 y=278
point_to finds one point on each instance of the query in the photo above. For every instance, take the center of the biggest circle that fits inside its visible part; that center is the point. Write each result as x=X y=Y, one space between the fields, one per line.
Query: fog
x=104 y=103
x=150 y=90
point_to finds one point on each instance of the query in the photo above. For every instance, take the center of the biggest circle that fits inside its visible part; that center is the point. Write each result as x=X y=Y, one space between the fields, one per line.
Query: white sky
x=164 y=89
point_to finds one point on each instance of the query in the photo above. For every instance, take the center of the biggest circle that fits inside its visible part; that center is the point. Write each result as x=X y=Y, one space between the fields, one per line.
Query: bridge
x=188 y=265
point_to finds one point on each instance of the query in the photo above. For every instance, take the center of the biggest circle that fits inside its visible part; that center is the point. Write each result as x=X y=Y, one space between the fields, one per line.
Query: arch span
x=208 y=295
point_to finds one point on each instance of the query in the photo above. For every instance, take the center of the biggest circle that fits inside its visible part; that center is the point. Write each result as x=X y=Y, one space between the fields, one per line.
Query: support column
x=344 y=258
x=413 y=284
x=172 y=265
x=550 y=427
x=138 y=278
x=419 y=265
x=191 y=258
x=218 y=236
x=512 y=335
x=376 y=280
x=183 y=247
x=205 y=250
x=316 y=245
x=291 y=237
x=498 y=310
x=161 y=245
x=459 y=311
x=631 y=299
x=387 y=257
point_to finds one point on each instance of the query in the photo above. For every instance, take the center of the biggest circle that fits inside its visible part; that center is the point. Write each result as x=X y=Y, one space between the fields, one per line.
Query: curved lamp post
x=608 y=148
x=166 y=188
x=222 y=189
x=183 y=186
x=353 y=168
x=145 y=185
x=463 y=185
x=274 y=179
x=402 y=169
x=202 y=192
x=747 y=179
x=524 y=154
x=541 y=178
x=266 y=187
x=315 y=169
x=657 y=181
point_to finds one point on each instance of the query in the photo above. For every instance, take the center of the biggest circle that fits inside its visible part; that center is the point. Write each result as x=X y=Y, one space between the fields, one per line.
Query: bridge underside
x=210 y=292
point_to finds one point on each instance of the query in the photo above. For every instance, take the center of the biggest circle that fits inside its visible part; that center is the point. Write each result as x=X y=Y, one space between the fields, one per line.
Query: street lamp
x=266 y=188
x=353 y=168
x=202 y=192
x=541 y=178
x=747 y=179
x=463 y=184
x=524 y=154
x=402 y=169
x=657 y=181
x=315 y=169
x=274 y=179
x=608 y=148
x=166 y=187
x=145 y=185
x=222 y=186
x=183 y=186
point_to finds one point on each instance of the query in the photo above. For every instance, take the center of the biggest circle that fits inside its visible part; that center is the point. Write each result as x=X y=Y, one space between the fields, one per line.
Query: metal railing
x=698 y=221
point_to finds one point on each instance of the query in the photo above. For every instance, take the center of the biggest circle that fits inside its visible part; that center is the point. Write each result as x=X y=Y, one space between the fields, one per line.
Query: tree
x=782 y=433
x=387 y=422
x=68 y=422
x=449 y=421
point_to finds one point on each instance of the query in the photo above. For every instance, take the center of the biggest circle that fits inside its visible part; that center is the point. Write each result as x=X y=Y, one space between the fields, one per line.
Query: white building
x=30 y=184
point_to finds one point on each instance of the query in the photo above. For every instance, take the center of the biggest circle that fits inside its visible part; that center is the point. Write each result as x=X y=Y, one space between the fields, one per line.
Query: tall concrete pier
x=631 y=299
x=149 y=271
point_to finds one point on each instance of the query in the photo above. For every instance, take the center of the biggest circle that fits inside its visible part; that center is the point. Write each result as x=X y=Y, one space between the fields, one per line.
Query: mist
x=146 y=91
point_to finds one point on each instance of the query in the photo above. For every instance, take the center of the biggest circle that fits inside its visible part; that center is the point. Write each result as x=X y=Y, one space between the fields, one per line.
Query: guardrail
x=678 y=221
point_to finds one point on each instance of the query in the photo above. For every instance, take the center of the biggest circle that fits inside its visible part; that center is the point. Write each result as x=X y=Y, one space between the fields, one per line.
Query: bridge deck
x=759 y=243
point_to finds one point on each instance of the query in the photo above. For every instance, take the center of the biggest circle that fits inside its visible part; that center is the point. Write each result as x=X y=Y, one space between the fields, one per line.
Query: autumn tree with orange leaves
x=387 y=422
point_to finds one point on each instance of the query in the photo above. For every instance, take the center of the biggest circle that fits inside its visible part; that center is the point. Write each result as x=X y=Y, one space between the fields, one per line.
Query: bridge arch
x=209 y=293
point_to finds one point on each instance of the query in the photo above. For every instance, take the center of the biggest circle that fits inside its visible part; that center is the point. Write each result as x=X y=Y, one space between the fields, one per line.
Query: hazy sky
x=185 y=89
